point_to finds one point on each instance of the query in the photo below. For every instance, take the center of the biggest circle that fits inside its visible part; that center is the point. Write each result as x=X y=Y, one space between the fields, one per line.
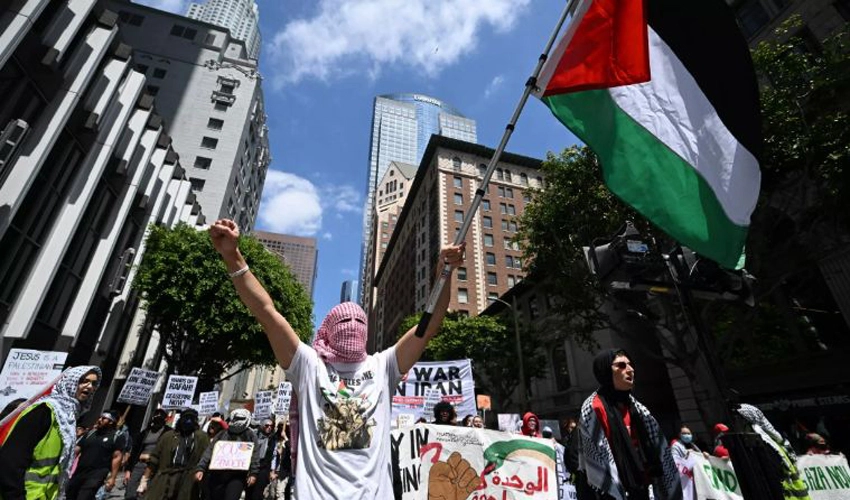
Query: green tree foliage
x=489 y=341
x=190 y=301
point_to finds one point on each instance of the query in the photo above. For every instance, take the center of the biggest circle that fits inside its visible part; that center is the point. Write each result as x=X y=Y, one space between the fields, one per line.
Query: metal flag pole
x=482 y=188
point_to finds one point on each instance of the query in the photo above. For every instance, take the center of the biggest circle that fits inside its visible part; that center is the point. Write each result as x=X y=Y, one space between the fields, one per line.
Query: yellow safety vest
x=41 y=479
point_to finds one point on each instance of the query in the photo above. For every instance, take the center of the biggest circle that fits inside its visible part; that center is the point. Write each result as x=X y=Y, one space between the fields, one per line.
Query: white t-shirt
x=344 y=435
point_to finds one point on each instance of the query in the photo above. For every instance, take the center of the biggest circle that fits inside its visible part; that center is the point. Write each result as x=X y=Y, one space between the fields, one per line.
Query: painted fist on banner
x=454 y=479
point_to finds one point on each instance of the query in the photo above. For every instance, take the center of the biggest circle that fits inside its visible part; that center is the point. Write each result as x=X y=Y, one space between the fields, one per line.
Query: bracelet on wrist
x=239 y=272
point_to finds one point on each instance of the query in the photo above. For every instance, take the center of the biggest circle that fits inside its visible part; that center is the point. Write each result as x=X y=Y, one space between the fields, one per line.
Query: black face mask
x=187 y=425
x=157 y=422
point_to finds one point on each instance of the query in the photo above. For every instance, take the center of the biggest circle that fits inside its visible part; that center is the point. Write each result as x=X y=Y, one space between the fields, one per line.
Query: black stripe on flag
x=705 y=37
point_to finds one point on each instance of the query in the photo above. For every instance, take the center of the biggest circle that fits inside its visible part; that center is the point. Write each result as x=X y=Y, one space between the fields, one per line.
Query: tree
x=189 y=300
x=490 y=344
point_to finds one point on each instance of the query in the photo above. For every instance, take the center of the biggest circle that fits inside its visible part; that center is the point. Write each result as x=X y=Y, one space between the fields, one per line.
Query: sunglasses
x=621 y=365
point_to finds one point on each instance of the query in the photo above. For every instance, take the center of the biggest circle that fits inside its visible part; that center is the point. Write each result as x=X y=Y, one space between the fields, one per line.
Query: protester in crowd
x=634 y=453
x=228 y=484
x=477 y=422
x=82 y=430
x=816 y=445
x=37 y=442
x=172 y=463
x=12 y=406
x=141 y=454
x=560 y=468
x=683 y=444
x=783 y=470
x=344 y=395
x=214 y=426
x=281 y=466
x=567 y=428
x=720 y=450
x=530 y=425
x=467 y=421
x=445 y=414
x=101 y=454
x=266 y=443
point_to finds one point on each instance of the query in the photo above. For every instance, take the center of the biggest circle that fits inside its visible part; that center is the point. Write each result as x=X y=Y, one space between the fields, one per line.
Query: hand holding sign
x=454 y=479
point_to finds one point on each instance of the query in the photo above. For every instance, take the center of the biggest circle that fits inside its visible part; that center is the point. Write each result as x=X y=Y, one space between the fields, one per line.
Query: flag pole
x=491 y=167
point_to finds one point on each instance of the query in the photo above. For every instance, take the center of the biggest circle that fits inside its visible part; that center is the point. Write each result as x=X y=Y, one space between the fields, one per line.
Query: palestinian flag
x=665 y=93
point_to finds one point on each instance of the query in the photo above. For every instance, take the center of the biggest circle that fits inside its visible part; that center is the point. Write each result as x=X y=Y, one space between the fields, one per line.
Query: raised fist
x=454 y=479
x=224 y=234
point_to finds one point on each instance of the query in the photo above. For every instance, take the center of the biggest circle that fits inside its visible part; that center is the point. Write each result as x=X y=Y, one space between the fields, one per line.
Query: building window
x=142 y=68
x=458 y=182
x=560 y=368
x=458 y=215
x=159 y=73
x=482 y=169
x=197 y=184
x=511 y=210
x=220 y=106
x=209 y=142
x=210 y=39
x=500 y=174
x=492 y=279
x=526 y=197
x=462 y=296
x=509 y=192
x=130 y=18
x=508 y=175
x=523 y=179
x=511 y=281
x=491 y=297
x=487 y=222
x=488 y=240
x=540 y=182
x=490 y=259
x=458 y=199
x=461 y=273
x=500 y=190
x=152 y=90
x=456 y=163
x=509 y=261
x=227 y=88
x=215 y=124
x=203 y=162
x=503 y=208
x=184 y=32
x=485 y=205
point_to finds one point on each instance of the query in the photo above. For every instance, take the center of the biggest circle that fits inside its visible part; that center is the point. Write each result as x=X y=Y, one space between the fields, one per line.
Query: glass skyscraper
x=402 y=124
x=241 y=17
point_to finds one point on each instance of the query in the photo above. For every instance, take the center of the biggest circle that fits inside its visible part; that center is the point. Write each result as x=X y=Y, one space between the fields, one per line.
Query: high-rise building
x=209 y=92
x=86 y=166
x=297 y=252
x=402 y=125
x=345 y=291
x=438 y=199
x=241 y=17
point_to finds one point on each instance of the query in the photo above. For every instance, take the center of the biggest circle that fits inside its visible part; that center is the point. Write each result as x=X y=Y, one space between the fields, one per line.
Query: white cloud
x=346 y=37
x=327 y=236
x=175 y=6
x=290 y=205
x=344 y=199
x=494 y=85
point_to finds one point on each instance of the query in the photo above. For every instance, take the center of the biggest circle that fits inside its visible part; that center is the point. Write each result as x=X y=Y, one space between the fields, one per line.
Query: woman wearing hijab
x=530 y=425
x=622 y=451
x=38 y=440
x=344 y=394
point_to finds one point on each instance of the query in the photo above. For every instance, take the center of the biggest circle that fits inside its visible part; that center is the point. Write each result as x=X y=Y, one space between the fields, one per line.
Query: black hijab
x=635 y=465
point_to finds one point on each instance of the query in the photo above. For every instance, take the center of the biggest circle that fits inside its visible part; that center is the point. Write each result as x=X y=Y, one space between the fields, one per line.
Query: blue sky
x=324 y=61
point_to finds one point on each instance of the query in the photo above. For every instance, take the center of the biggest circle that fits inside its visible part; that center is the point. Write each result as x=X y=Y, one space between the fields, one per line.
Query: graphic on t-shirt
x=345 y=425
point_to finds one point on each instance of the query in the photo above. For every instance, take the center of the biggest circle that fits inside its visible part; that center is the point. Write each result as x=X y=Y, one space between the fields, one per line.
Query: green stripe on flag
x=647 y=175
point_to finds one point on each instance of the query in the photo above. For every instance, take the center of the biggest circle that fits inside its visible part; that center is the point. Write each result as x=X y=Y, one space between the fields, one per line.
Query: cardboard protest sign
x=208 y=403
x=494 y=465
x=826 y=476
x=452 y=378
x=263 y=404
x=231 y=455
x=138 y=387
x=28 y=372
x=284 y=398
x=179 y=392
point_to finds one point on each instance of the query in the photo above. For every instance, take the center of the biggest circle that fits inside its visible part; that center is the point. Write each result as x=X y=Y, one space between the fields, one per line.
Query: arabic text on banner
x=492 y=465
x=452 y=378
x=27 y=372
x=179 y=392
x=138 y=387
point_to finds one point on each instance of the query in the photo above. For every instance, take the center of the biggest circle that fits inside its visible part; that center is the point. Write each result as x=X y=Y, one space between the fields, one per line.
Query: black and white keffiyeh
x=762 y=426
x=597 y=460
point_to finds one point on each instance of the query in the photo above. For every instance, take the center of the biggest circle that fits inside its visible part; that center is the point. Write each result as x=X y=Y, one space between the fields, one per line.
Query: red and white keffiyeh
x=342 y=336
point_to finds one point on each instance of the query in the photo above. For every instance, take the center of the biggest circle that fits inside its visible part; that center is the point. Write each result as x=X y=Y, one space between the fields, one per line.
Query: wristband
x=239 y=272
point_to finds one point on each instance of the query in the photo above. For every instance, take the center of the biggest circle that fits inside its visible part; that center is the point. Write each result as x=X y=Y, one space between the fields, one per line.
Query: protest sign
x=826 y=476
x=179 y=392
x=432 y=397
x=263 y=405
x=284 y=398
x=509 y=422
x=452 y=378
x=499 y=465
x=231 y=455
x=712 y=478
x=138 y=386
x=208 y=403
x=28 y=372
x=405 y=420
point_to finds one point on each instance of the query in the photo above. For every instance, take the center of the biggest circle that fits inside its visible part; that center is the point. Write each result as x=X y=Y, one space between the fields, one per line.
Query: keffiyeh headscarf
x=342 y=336
x=239 y=420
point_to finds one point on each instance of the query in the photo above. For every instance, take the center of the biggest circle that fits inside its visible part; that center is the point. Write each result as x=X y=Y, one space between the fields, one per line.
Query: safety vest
x=41 y=479
x=793 y=486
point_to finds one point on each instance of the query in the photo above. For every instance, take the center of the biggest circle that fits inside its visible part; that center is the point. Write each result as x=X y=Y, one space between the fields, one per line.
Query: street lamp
x=523 y=392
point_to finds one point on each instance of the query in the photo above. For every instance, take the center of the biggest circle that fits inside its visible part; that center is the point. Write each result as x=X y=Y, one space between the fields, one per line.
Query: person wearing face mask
x=344 y=394
x=172 y=463
x=622 y=451
x=684 y=444
x=230 y=484
x=141 y=454
x=37 y=440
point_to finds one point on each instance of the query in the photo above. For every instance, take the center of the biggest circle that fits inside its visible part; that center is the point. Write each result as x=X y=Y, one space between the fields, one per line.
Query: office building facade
x=210 y=92
x=402 y=125
x=299 y=253
x=241 y=17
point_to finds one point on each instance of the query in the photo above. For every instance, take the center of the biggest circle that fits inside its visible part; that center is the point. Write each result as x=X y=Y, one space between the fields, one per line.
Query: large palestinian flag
x=665 y=93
